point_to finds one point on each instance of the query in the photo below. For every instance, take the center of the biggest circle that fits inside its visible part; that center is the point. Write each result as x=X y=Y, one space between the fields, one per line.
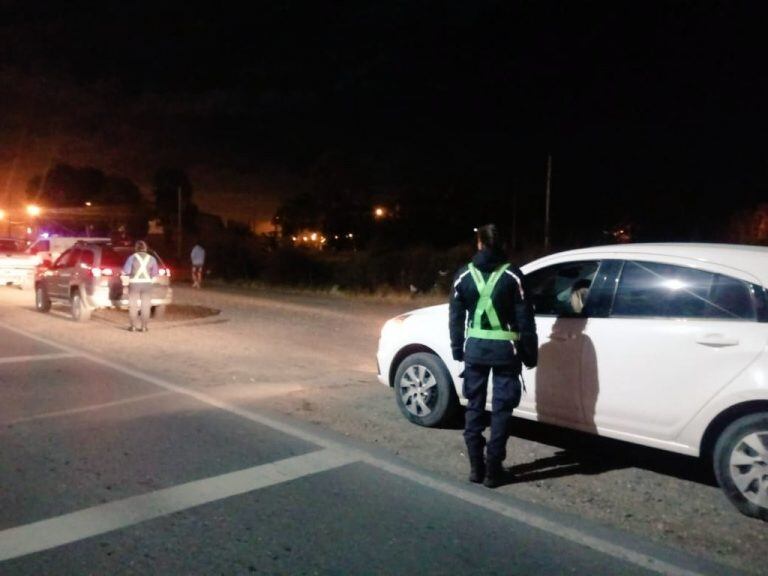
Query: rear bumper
x=103 y=297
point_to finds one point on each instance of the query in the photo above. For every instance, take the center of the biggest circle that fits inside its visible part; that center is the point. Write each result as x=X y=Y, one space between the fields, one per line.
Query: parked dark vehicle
x=87 y=277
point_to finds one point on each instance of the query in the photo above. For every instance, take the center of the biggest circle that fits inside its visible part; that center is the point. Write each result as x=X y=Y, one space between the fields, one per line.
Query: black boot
x=494 y=475
x=476 y=471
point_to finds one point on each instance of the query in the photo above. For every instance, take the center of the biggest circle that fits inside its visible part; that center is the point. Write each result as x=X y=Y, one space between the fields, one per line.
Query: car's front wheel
x=42 y=302
x=424 y=390
x=741 y=464
x=80 y=312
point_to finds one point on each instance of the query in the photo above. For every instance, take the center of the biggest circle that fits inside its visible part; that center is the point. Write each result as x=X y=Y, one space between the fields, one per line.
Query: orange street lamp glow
x=379 y=212
x=33 y=210
x=2 y=214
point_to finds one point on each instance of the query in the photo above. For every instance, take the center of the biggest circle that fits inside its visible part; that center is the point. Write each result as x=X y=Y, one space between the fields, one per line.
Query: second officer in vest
x=141 y=269
x=493 y=331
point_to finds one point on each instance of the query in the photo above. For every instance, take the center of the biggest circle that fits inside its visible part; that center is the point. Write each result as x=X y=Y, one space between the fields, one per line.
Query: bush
x=420 y=269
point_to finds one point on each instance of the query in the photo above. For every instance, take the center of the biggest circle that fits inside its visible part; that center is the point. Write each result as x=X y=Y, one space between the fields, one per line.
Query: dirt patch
x=173 y=313
x=177 y=312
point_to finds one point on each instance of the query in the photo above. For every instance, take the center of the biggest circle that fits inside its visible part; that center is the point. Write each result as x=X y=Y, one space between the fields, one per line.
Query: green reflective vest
x=485 y=306
x=141 y=272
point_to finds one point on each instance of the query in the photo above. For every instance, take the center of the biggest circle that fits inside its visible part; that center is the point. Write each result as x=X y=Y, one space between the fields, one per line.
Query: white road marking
x=89 y=408
x=35 y=357
x=68 y=528
x=518 y=514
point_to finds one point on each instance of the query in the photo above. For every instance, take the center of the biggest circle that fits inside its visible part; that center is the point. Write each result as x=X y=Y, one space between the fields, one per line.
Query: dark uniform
x=490 y=308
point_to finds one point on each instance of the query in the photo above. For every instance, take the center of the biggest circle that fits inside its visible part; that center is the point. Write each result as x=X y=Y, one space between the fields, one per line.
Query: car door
x=59 y=274
x=673 y=338
x=555 y=390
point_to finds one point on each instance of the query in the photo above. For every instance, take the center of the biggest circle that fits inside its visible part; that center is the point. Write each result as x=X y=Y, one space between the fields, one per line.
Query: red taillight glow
x=165 y=272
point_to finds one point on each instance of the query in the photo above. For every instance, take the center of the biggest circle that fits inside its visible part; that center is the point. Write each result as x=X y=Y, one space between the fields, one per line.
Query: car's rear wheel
x=158 y=312
x=741 y=464
x=42 y=302
x=80 y=312
x=424 y=390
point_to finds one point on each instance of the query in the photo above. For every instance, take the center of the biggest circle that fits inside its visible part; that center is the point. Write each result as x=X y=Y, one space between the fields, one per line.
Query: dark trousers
x=139 y=293
x=506 y=397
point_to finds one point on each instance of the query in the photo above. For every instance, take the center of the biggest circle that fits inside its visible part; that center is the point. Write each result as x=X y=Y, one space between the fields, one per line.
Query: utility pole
x=179 y=222
x=546 y=210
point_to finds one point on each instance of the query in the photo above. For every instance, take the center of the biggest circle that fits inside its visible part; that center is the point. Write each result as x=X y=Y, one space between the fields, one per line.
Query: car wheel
x=158 y=312
x=741 y=464
x=42 y=302
x=80 y=312
x=424 y=390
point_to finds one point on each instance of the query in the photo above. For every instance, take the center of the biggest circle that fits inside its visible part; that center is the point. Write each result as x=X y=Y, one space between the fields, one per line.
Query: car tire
x=424 y=390
x=80 y=312
x=42 y=301
x=740 y=460
x=158 y=312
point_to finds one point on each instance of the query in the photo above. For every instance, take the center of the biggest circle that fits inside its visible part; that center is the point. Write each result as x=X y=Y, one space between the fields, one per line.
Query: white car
x=668 y=351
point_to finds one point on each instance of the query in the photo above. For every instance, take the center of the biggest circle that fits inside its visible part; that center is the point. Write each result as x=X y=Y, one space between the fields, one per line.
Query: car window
x=8 y=246
x=40 y=246
x=651 y=289
x=66 y=259
x=112 y=259
x=87 y=258
x=562 y=289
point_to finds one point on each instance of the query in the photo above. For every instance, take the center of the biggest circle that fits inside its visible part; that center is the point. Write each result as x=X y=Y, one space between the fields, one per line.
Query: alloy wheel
x=418 y=390
x=749 y=467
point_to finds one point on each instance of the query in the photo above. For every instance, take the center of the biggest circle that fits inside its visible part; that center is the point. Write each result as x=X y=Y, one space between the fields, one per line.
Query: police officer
x=141 y=269
x=492 y=330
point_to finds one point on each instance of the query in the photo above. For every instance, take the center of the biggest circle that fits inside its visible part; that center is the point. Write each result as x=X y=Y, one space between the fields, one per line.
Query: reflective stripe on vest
x=142 y=274
x=485 y=306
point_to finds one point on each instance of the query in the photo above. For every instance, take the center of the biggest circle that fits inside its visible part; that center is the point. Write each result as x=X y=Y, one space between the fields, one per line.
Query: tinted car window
x=112 y=259
x=8 y=246
x=40 y=246
x=649 y=289
x=87 y=258
x=552 y=288
x=65 y=260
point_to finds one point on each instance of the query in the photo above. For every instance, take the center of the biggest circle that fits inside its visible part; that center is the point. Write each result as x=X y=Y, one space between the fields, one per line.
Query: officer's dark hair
x=140 y=246
x=490 y=237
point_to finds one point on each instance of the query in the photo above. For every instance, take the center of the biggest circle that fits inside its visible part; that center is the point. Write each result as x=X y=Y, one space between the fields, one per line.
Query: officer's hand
x=458 y=355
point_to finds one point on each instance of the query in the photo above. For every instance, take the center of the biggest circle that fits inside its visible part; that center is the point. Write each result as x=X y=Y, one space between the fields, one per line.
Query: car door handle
x=717 y=340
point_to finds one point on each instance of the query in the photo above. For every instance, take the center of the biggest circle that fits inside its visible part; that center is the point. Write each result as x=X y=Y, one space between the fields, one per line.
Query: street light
x=2 y=214
x=33 y=210
x=379 y=212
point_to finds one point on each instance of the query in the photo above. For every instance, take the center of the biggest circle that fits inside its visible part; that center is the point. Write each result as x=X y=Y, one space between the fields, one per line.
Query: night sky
x=653 y=112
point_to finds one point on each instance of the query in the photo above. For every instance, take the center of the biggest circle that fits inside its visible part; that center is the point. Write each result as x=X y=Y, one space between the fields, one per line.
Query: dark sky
x=642 y=105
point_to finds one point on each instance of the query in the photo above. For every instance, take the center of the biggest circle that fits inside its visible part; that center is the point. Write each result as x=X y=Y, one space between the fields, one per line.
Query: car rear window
x=112 y=259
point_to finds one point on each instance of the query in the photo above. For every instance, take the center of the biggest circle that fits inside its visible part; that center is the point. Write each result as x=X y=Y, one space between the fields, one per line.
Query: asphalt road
x=173 y=452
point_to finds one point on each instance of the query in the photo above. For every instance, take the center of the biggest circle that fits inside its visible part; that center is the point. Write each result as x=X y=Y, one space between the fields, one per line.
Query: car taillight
x=165 y=272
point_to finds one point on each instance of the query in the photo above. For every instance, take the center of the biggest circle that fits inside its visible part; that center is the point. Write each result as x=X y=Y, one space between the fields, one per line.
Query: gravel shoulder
x=311 y=356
